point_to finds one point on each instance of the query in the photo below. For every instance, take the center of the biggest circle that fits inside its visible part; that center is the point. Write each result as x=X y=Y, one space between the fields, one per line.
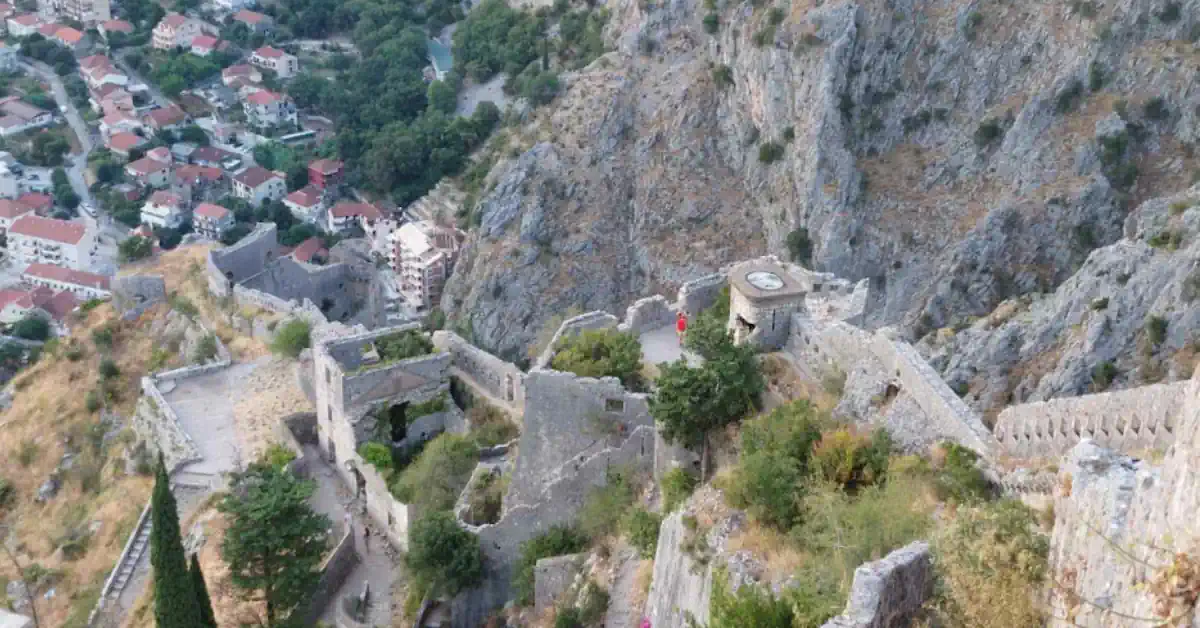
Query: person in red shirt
x=680 y=325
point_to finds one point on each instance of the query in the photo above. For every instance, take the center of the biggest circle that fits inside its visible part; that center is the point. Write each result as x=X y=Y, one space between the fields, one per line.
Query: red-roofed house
x=34 y=239
x=115 y=26
x=256 y=184
x=193 y=182
x=307 y=204
x=23 y=25
x=163 y=209
x=211 y=156
x=240 y=72
x=176 y=30
x=70 y=38
x=98 y=70
x=254 y=20
x=42 y=302
x=40 y=203
x=265 y=108
x=85 y=285
x=120 y=122
x=149 y=171
x=21 y=116
x=346 y=214
x=204 y=45
x=165 y=118
x=325 y=173
x=281 y=63
x=48 y=30
x=110 y=99
x=10 y=211
x=121 y=143
x=311 y=251
x=212 y=221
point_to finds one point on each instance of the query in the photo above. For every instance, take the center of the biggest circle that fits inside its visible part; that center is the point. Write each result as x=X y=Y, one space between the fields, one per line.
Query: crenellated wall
x=1127 y=421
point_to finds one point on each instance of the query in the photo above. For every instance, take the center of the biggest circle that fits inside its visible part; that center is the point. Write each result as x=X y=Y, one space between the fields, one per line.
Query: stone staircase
x=126 y=569
x=443 y=201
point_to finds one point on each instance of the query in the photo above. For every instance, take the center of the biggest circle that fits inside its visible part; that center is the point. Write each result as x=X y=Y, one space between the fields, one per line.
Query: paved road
x=134 y=77
x=79 y=163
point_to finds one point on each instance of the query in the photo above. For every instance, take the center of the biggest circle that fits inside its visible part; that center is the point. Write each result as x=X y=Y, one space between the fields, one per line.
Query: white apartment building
x=163 y=209
x=281 y=63
x=422 y=257
x=10 y=211
x=82 y=284
x=212 y=221
x=34 y=239
x=265 y=108
x=256 y=184
x=176 y=30
x=307 y=204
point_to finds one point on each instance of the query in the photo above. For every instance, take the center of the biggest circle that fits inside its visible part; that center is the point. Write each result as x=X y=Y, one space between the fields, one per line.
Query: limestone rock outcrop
x=957 y=155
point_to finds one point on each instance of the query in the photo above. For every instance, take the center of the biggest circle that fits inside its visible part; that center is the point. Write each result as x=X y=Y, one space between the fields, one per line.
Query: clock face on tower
x=764 y=280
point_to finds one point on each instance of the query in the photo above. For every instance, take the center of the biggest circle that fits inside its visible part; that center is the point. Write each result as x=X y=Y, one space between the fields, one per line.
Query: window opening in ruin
x=328 y=376
x=329 y=413
x=614 y=405
x=332 y=453
x=397 y=421
x=890 y=392
x=391 y=519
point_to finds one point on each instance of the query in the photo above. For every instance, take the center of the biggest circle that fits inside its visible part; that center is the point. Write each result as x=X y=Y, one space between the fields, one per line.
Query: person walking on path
x=366 y=539
x=681 y=326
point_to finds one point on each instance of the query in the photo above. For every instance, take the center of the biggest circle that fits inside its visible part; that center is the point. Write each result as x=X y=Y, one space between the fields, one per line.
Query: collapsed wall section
x=1127 y=421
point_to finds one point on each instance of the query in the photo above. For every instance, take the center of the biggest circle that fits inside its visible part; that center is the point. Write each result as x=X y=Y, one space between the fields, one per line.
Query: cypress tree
x=207 y=620
x=174 y=600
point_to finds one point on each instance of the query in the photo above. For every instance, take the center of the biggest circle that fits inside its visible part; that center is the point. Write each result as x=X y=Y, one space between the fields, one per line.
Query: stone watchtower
x=762 y=298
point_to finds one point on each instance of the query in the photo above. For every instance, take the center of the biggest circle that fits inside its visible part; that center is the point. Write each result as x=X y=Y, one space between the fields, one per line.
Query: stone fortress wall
x=1126 y=420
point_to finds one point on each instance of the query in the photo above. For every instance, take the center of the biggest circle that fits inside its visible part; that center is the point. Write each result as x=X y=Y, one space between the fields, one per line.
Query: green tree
x=175 y=603
x=292 y=338
x=691 y=403
x=194 y=134
x=207 y=619
x=443 y=557
x=297 y=177
x=134 y=248
x=275 y=541
x=441 y=97
x=32 y=328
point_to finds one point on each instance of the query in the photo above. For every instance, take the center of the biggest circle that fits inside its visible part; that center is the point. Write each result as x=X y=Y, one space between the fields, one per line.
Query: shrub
x=972 y=25
x=8 y=492
x=135 y=248
x=604 y=507
x=32 y=328
x=991 y=563
x=677 y=486
x=425 y=408
x=1100 y=304
x=987 y=132
x=1170 y=12
x=959 y=479
x=641 y=528
x=789 y=134
x=92 y=401
x=403 y=345
x=1103 y=375
x=1178 y=207
x=568 y=618
x=103 y=337
x=1156 y=109
x=27 y=452
x=601 y=353
x=279 y=456
x=849 y=458
x=377 y=455
x=723 y=76
x=183 y=305
x=776 y=450
x=438 y=475
x=770 y=152
x=74 y=352
x=486 y=498
x=108 y=369
x=712 y=23
x=205 y=350
x=750 y=605
x=442 y=557
x=1068 y=97
x=292 y=338
x=556 y=541
x=1191 y=286
x=1095 y=76
x=1156 y=329
x=799 y=246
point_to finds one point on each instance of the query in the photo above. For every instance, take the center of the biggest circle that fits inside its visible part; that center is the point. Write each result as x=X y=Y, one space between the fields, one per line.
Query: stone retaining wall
x=334 y=570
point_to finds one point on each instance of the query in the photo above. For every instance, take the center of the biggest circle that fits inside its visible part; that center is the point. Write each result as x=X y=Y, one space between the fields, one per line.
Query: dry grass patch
x=777 y=552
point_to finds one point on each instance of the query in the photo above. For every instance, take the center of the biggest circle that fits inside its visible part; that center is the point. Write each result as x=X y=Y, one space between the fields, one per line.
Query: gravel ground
x=270 y=393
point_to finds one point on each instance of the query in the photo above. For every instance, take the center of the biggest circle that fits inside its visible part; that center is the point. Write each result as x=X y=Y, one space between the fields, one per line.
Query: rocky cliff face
x=957 y=153
x=1125 y=319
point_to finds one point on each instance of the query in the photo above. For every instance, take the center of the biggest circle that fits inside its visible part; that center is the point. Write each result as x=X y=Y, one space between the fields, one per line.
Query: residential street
x=79 y=162
x=134 y=77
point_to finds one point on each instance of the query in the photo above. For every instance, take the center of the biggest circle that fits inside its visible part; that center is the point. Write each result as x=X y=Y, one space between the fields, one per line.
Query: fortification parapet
x=573 y=326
